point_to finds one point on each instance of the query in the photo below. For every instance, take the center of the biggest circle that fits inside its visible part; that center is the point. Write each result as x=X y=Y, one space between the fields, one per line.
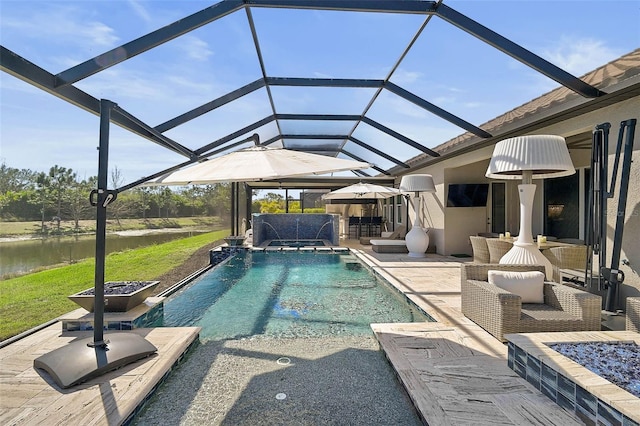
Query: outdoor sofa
x=500 y=312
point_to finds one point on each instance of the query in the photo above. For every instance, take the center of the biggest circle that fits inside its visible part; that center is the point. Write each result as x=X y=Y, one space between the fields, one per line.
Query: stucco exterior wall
x=615 y=114
x=451 y=227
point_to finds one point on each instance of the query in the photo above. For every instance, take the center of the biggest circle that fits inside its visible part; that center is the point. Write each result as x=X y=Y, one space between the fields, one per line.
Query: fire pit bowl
x=119 y=296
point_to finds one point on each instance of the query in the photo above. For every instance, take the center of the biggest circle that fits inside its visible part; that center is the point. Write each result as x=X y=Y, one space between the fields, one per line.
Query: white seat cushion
x=388 y=242
x=528 y=285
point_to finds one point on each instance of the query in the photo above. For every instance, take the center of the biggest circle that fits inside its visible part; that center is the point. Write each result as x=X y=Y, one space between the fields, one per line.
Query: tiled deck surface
x=454 y=371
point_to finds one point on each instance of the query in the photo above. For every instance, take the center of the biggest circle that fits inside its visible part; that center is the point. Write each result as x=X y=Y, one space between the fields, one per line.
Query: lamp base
x=417 y=242
x=527 y=254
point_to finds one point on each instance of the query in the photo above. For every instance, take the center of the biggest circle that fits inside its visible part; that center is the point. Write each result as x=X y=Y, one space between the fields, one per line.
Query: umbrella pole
x=85 y=358
x=101 y=223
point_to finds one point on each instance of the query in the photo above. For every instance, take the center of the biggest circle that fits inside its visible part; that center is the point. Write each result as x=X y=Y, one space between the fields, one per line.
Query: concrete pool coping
x=428 y=359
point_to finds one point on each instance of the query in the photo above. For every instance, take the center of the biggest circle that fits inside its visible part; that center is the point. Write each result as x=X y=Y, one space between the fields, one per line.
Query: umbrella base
x=77 y=362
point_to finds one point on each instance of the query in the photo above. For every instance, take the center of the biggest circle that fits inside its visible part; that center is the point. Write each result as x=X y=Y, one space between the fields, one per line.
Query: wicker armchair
x=480 y=249
x=501 y=312
x=633 y=314
x=568 y=261
x=497 y=249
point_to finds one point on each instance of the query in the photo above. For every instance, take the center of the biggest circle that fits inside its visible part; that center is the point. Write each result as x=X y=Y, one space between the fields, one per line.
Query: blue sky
x=446 y=67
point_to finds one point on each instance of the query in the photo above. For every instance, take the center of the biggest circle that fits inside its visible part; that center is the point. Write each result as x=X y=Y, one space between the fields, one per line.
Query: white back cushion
x=528 y=285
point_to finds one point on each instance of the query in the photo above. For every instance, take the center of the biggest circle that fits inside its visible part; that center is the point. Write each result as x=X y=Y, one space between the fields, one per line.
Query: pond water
x=26 y=255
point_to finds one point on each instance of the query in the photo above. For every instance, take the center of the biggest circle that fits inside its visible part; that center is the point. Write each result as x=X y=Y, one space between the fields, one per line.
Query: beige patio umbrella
x=258 y=163
x=361 y=190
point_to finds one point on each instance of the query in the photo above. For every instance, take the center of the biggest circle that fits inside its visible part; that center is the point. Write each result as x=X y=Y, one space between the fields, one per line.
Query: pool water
x=296 y=243
x=287 y=294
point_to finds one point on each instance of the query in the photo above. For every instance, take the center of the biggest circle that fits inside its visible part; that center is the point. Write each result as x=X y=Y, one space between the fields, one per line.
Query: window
x=498 y=207
x=562 y=206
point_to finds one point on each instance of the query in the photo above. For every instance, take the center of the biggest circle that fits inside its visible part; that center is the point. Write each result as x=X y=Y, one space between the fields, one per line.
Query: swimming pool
x=288 y=294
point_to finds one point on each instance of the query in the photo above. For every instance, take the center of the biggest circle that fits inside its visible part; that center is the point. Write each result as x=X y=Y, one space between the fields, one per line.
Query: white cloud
x=140 y=10
x=195 y=48
x=69 y=28
x=579 y=56
x=318 y=74
x=401 y=76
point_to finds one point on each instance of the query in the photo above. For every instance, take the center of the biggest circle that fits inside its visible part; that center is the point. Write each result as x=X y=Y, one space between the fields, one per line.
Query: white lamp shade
x=417 y=183
x=546 y=156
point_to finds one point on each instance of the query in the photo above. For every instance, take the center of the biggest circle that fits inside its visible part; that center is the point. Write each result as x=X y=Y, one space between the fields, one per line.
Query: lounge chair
x=398 y=234
x=389 y=246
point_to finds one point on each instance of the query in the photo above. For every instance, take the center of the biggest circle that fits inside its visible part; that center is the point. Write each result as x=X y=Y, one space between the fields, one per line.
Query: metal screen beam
x=320 y=117
x=209 y=106
x=377 y=151
x=517 y=52
x=202 y=151
x=271 y=140
x=373 y=166
x=17 y=66
x=256 y=43
x=382 y=6
x=30 y=73
x=323 y=82
x=122 y=116
x=405 y=94
x=399 y=136
x=147 y=42
x=313 y=137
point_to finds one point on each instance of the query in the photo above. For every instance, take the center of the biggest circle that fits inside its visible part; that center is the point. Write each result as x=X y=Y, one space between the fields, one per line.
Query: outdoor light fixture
x=527 y=158
x=417 y=239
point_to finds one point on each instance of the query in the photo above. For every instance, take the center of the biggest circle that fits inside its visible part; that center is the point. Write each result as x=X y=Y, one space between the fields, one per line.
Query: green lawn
x=33 y=299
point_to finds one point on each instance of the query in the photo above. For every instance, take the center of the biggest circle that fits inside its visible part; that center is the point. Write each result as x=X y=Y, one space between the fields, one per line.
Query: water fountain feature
x=300 y=229
x=274 y=230
x=329 y=222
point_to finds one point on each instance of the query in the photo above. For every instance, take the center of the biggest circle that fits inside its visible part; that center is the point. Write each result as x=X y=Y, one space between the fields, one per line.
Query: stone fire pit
x=119 y=296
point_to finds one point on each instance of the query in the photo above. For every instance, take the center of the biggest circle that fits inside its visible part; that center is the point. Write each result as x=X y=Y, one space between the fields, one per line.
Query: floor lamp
x=416 y=239
x=527 y=158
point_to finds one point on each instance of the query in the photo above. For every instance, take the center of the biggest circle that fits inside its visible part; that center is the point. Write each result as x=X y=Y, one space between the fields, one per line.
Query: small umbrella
x=362 y=190
x=258 y=163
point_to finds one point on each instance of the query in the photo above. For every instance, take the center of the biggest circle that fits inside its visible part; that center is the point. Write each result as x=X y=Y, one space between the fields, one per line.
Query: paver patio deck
x=454 y=372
